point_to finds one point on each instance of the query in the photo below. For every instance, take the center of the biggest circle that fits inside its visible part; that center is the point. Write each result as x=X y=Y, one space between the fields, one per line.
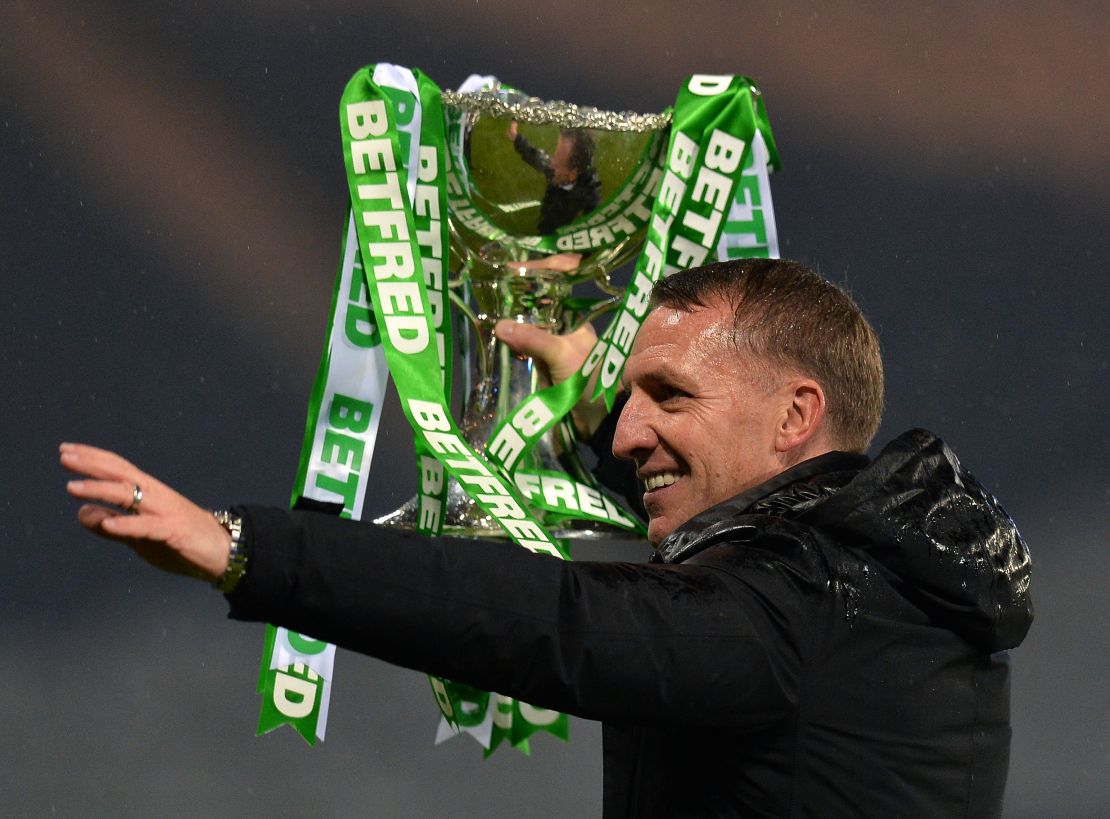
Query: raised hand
x=162 y=526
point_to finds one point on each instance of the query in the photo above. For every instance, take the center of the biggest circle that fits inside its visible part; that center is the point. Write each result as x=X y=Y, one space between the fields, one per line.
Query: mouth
x=659 y=480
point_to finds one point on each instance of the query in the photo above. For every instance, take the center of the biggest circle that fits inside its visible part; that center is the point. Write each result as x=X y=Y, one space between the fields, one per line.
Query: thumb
x=527 y=339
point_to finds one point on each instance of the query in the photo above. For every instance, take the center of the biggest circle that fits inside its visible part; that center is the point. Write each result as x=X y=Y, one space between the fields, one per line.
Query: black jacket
x=822 y=645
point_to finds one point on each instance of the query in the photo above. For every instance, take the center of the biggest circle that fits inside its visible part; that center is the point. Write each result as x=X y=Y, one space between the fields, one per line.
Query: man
x=817 y=633
x=573 y=188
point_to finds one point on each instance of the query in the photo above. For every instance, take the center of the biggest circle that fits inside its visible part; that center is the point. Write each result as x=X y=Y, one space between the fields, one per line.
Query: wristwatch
x=237 y=554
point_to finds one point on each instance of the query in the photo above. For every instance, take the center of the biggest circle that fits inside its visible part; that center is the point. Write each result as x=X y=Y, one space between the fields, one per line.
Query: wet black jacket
x=826 y=644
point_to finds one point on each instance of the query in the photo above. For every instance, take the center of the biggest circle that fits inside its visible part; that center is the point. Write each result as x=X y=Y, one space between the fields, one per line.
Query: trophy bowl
x=542 y=196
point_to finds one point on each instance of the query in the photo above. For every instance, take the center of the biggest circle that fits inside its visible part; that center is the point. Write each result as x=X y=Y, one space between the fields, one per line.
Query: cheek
x=731 y=458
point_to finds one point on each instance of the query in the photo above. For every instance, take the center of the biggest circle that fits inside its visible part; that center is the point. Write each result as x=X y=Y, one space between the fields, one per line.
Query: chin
x=657 y=532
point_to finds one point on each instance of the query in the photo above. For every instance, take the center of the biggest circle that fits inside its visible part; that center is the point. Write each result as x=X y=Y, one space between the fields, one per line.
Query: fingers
x=562 y=355
x=137 y=527
x=118 y=493
x=92 y=518
x=527 y=339
x=584 y=336
x=166 y=529
x=111 y=524
x=108 y=478
x=98 y=463
x=530 y=340
x=562 y=262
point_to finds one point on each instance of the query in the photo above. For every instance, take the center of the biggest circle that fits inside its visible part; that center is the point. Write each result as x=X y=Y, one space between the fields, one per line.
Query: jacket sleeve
x=651 y=644
x=533 y=156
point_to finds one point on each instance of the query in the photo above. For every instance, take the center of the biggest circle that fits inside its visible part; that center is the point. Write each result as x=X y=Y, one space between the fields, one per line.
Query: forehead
x=674 y=338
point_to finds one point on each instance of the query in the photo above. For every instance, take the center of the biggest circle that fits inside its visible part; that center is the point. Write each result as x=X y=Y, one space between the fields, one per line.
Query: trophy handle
x=464 y=308
x=601 y=308
x=599 y=266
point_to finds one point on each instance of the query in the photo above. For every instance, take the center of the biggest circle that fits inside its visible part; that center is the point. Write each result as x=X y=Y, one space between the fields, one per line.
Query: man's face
x=561 y=171
x=701 y=416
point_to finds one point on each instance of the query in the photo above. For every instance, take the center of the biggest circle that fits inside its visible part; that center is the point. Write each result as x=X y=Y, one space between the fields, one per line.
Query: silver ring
x=136 y=499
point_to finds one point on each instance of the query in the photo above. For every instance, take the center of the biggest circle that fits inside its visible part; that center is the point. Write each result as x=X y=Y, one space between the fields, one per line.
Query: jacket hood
x=940 y=538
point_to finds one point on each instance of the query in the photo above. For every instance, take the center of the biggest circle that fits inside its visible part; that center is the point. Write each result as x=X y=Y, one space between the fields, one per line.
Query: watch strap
x=237 y=553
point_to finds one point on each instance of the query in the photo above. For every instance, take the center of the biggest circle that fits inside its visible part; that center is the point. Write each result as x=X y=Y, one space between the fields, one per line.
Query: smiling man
x=707 y=418
x=817 y=633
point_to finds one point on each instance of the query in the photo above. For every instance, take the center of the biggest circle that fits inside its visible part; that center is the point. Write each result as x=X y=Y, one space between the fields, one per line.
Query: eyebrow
x=664 y=373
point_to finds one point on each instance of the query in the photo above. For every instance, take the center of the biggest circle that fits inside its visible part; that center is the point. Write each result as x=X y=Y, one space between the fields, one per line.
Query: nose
x=635 y=437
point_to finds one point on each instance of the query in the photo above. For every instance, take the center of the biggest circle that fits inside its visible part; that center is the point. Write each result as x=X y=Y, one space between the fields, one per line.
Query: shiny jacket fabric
x=830 y=643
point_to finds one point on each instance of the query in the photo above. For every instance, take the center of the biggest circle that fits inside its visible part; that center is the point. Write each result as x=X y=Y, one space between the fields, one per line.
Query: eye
x=670 y=394
x=663 y=390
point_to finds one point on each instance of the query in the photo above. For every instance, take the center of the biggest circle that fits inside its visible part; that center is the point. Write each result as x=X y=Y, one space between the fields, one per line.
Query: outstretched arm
x=628 y=642
x=605 y=641
x=162 y=526
x=533 y=156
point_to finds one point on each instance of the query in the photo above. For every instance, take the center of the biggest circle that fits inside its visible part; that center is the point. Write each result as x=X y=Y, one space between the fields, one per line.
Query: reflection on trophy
x=573 y=187
x=543 y=196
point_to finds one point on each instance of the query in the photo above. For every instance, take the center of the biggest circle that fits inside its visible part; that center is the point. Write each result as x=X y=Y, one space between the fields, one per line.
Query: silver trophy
x=543 y=196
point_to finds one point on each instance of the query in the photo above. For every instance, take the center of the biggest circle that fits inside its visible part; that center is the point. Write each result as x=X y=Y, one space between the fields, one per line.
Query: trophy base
x=465 y=518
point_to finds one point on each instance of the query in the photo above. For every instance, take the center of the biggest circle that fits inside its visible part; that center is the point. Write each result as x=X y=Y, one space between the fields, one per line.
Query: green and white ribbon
x=716 y=121
x=389 y=243
x=343 y=418
x=749 y=230
x=567 y=499
x=416 y=126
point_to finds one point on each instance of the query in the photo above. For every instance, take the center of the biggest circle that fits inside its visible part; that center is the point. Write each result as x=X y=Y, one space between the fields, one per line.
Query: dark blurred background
x=172 y=197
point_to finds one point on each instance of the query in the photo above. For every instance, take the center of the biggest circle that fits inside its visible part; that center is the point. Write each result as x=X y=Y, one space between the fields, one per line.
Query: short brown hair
x=789 y=315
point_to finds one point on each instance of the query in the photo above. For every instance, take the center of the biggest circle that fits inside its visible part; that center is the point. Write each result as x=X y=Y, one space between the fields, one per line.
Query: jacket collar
x=707 y=526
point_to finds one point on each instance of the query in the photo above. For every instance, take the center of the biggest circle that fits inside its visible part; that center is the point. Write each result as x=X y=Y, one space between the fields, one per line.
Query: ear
x=803 y=416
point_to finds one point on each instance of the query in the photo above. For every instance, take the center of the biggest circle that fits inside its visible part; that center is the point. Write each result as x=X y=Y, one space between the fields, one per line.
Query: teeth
x=660 y=480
